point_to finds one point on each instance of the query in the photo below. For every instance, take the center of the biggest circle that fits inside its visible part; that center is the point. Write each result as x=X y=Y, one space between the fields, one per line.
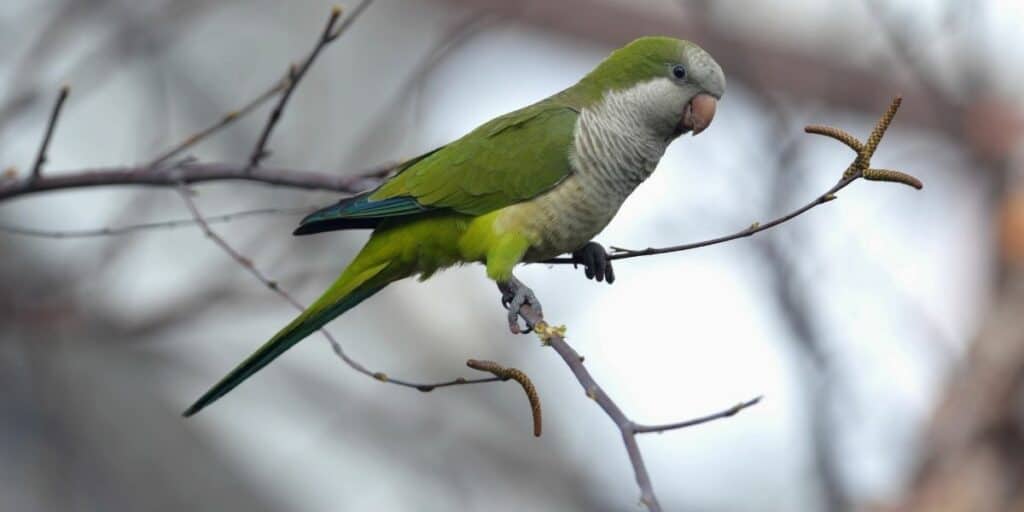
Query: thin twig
x=296 y=73
x=224 y=121
x=519 y=376
x=555 y=338
x=732 y=411
x=620 y=253
x=860 y=168
x=37 y=168
x=900 y=45
x=407 y=97
x=247 y=264
x=147 y=226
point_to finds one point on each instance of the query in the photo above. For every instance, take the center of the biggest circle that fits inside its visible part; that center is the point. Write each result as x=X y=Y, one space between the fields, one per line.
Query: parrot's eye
x=679 y=71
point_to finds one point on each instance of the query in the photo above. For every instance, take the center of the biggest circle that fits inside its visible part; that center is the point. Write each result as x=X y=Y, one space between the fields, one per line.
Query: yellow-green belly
x=559 y=221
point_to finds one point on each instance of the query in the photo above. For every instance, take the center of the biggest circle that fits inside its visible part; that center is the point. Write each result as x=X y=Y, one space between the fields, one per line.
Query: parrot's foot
x=596 y=262
x=515 y=294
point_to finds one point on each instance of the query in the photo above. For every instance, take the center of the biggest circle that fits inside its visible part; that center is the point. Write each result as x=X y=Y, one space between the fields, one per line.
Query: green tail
x=349 y=290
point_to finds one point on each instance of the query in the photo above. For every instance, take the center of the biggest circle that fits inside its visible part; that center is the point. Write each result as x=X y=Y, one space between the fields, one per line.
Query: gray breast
x=612 y=154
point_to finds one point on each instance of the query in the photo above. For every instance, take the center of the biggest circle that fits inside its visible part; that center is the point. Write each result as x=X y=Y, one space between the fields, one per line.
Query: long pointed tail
x=349 y=290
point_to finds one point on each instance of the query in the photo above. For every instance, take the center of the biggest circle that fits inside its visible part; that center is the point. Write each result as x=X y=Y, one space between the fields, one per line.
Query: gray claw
x=515 y=294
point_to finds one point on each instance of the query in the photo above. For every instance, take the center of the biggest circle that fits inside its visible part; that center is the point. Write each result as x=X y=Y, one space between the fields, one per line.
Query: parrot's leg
x=514 y=294
x=596 y=262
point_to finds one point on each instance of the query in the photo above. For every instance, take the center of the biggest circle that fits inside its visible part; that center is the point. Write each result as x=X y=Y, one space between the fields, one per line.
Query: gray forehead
x=707 y=72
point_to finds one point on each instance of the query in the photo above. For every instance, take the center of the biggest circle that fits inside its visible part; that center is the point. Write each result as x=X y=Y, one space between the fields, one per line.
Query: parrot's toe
x=514 y=295
x=596 y=261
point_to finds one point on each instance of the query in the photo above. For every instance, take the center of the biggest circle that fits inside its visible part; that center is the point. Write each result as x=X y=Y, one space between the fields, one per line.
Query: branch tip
x=51 y=124
x=295 y=74
x=727 y=413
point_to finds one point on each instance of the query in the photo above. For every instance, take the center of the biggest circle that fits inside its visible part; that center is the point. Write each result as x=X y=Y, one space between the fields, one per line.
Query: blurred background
x=884 y=329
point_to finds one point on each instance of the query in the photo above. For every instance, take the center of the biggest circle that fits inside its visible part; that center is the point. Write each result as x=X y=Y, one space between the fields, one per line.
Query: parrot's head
x=672 y=84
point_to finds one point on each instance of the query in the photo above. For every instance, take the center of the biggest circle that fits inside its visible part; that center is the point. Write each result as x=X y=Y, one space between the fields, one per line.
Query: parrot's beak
x=698 y=113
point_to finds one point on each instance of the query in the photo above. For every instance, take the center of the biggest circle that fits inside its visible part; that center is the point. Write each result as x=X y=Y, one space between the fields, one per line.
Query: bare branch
x=190 y=172
x=286 y=84
x=37 y=168
x=224 y=121
x=295 y=74
x=732 y=411
x=555 y=338
x=901 y=45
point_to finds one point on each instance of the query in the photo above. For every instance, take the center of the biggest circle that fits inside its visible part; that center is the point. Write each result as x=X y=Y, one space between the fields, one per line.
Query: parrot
x=523 y=187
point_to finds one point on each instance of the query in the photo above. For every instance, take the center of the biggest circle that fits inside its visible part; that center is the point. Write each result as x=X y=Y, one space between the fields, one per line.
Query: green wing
x=507 y=160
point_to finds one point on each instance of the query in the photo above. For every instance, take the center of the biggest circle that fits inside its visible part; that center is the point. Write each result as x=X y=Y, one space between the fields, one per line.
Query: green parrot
x=524 y=187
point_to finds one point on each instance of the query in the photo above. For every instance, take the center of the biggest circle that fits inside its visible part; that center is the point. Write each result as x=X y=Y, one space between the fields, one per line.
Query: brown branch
x=223 y=122
x=859 y=168
x=296 y=73
x=732 y=411
x=555 y=338
x=286 y=84
x=37 y=168
x=411 y=88
x=247 y=264
x=190 y=172
x=519 y=376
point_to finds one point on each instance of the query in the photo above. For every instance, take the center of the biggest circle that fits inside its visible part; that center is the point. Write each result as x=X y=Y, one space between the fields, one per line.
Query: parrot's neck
x=619 y=141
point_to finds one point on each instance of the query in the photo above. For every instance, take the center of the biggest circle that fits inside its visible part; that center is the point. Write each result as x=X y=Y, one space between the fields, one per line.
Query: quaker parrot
x=523 y=187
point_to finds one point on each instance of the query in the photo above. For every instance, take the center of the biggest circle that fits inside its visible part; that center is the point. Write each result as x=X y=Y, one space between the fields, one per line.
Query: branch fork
x=861 y=166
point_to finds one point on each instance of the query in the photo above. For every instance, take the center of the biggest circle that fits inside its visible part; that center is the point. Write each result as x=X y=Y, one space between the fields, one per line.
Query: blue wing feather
x=358 y=212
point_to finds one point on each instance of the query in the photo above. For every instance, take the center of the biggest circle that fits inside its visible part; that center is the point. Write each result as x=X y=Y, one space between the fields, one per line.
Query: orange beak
x=698 y=113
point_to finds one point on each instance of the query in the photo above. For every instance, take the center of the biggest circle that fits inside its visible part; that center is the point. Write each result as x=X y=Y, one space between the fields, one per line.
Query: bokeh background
x=883 y=329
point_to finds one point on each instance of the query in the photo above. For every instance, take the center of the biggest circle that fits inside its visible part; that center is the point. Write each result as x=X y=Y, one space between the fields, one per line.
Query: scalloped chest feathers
x=613 y=152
